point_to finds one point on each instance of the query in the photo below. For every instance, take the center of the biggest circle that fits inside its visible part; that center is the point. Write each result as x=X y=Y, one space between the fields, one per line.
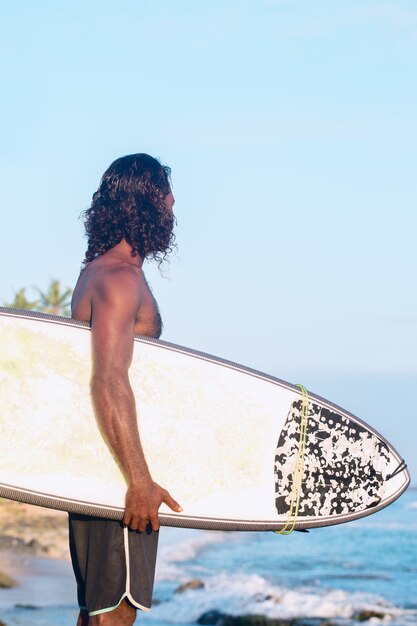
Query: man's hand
x=142 y=503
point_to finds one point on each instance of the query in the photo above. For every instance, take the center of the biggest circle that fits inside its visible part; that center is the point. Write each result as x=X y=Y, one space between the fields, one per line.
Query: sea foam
x=240 y=594
x=179 y=546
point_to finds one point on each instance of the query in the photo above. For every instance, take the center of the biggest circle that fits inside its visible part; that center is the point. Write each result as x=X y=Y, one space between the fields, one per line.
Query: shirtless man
x=130 y=218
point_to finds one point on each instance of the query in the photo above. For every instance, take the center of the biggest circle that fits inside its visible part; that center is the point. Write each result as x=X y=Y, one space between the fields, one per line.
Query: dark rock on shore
x=7 y=582
x=256 y=620
x=8 y=542
x=36 y=546
x=195 y=583
x=19 y=545
x=216 y=618
x=210 y=618
x=364 y=616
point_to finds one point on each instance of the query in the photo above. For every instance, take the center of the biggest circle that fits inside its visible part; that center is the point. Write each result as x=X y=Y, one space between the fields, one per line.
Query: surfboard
x=239 y=449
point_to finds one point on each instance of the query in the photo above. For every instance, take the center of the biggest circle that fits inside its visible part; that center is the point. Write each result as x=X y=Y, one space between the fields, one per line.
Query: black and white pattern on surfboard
x=345 y=465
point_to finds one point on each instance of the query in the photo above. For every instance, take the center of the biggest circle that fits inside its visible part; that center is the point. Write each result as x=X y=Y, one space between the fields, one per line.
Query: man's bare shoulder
x=109 y=275
x=116 y=281
x=108 y=284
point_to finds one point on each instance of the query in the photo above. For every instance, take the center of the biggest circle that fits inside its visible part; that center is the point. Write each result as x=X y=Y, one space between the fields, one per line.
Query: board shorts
x=111 y=563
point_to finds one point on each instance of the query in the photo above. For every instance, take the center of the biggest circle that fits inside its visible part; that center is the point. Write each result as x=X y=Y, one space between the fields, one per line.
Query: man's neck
x=123 y=251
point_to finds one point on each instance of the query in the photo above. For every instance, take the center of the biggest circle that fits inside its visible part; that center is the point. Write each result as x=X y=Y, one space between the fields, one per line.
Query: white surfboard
x=222 y=438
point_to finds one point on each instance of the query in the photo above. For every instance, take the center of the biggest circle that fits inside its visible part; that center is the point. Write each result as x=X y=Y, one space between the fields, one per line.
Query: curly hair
x=130 y=203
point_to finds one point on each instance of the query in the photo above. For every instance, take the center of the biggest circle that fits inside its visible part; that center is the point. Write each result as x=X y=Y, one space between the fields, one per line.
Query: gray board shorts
x=111 y=563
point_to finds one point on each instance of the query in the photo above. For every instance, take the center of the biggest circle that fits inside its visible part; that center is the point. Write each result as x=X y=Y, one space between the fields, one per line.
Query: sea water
x=332 y=573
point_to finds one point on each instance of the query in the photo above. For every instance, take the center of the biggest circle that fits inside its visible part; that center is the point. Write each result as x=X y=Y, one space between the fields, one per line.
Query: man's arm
x=115 y=303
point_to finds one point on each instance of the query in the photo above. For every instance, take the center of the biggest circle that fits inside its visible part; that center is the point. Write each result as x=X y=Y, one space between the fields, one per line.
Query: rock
x=35 y=546
x=216 y=618
x=211 y=618
x=7 y=582
x=195 y=583
x=255 y=620
x=365 y=615
x=314 y=622
x=11 y=543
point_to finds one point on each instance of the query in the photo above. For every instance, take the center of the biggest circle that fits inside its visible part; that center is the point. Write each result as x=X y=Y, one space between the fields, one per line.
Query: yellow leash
x=298 y=469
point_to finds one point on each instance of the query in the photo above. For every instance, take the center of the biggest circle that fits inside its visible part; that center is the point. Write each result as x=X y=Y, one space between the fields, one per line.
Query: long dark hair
x=130 y=203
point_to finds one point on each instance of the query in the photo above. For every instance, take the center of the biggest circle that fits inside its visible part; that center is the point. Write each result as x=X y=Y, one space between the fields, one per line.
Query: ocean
x=361 y=572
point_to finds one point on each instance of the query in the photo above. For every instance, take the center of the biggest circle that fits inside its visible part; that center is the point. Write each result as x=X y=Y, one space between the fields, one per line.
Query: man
x=130 y=218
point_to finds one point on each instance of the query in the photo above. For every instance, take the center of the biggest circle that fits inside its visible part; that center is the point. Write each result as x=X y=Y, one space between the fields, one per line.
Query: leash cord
x=298 y=468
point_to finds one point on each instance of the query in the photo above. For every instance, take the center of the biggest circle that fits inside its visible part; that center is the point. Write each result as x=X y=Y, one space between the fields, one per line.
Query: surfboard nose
x=347 y=468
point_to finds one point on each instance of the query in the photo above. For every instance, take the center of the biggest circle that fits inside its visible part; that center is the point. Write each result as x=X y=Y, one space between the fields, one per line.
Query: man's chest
x=148 y=319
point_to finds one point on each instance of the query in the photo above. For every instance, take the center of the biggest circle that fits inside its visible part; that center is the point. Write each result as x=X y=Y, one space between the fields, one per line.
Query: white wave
x=412 y=505
x=239 y=594
x=172 y=552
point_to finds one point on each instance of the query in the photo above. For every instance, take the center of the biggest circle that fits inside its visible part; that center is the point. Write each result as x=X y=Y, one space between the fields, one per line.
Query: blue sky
x=290 y=127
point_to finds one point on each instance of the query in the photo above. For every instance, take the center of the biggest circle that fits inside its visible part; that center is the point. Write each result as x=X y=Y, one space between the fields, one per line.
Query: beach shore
x=35 y=570
x=29 y=531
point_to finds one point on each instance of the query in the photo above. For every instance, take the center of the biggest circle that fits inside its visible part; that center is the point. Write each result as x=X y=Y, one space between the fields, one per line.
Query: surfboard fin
x=401 y=467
